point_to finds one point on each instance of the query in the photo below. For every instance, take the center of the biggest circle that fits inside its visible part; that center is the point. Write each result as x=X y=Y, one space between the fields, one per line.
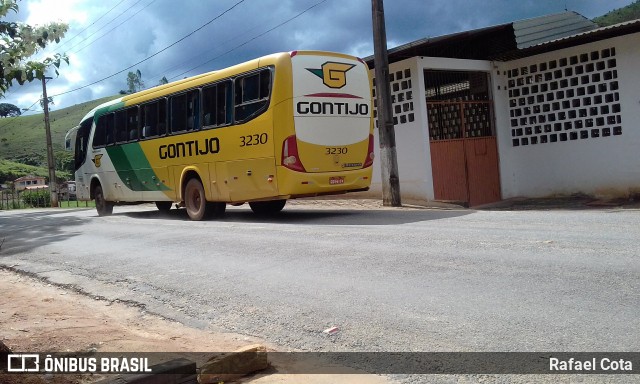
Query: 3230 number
x=257 y=139
x=336 y=150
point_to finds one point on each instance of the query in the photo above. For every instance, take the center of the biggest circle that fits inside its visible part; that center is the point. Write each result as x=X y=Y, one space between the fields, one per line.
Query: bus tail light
x=290 y=157
x=370 y=155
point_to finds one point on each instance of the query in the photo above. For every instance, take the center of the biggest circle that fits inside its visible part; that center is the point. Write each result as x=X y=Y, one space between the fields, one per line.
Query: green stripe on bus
x=101 y=111
x=134 y=169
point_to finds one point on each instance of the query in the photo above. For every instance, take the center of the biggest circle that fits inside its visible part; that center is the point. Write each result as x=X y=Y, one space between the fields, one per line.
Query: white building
x=534 y=108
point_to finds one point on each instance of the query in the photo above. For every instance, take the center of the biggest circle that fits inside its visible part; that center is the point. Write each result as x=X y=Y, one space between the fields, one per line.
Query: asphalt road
x=389 y=279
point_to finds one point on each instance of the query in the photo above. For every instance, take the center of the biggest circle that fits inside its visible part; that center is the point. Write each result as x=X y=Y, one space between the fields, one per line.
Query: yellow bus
x=283 y=126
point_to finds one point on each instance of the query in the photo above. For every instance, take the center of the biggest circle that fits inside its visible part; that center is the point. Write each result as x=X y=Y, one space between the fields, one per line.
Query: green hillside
x=630 y=12
x=22 y=139
x=10 y=170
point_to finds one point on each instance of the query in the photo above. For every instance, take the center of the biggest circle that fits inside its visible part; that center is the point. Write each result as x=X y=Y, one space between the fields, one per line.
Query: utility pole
x=388 y=155
x=53 y=185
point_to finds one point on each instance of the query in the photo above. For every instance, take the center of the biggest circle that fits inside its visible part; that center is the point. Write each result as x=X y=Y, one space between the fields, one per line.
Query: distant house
x=30 y=182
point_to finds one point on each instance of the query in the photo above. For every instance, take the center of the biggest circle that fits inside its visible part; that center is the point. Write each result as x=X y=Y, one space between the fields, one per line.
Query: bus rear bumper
x=300 y=184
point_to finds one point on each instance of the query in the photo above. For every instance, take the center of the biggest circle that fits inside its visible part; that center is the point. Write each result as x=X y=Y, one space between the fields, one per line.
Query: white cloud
x=67 y=11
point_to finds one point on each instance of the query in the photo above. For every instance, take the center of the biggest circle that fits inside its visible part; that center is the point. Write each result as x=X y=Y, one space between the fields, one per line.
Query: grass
x=11 y=170
x=22 y=138
x=77 y=204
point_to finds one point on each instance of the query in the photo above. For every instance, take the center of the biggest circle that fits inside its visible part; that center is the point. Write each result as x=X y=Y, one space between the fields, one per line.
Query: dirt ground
x=39 y=317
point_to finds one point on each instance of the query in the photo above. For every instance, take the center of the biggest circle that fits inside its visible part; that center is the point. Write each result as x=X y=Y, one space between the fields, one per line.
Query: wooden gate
x=464 y=153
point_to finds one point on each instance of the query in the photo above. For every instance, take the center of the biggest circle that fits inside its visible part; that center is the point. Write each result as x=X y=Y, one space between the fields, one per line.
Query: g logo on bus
x=333 y=75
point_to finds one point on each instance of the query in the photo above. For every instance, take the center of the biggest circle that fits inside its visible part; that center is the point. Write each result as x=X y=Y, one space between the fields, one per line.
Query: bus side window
x=120 y=123
x=82 y=141
x=252 y=94
x=147 y=121
x=209 y=105
x=100 y=134
x=193 y=110
x=224 y=104
x=109 y=129
x=132 y=124
x=178 y=114
x=162 y=117
x=149 y=117
x=215 y=104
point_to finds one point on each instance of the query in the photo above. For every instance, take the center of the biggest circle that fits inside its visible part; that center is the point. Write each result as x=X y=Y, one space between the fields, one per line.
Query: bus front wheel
x=267 y=207
x=104 y=207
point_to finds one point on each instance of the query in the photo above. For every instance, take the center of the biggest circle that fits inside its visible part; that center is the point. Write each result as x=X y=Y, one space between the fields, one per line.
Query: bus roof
x=194 y=81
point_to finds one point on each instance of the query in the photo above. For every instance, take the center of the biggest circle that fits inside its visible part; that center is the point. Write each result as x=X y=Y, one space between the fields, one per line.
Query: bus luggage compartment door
x=248 y=179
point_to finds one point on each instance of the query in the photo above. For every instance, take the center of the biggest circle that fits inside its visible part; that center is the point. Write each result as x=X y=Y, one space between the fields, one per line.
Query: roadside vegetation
x=630 y=12
x=23 y=146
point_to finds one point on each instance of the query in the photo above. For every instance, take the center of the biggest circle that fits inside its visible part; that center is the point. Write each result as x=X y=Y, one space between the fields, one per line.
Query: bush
x=37 y=198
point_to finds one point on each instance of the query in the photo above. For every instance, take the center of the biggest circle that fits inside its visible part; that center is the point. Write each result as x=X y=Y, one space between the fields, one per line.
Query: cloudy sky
x=109 y=38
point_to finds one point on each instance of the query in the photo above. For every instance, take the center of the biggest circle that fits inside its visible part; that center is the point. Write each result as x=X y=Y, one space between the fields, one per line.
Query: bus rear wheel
x=267 y=207
x=198 y=208
x=104 y=207
x=195 y=200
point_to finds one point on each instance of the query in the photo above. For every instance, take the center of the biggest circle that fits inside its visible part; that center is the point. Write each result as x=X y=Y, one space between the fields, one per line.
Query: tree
x=9 y=110
x=19 y=42
x=134 y=81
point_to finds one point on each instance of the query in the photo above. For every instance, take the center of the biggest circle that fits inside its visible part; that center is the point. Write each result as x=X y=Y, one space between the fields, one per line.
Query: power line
x=199 y=55
x=91 y=25
x=24 y=109
x=254 y=38
x=158 y=52
x=112 y=20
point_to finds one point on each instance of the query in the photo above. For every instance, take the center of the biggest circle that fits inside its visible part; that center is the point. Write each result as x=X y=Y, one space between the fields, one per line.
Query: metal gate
x=464 y=153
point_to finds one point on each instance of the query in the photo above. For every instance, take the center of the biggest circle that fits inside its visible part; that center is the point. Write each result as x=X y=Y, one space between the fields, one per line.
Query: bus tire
x=104 y=207
x=195 y=200
x=267 y=207
x=164 y=206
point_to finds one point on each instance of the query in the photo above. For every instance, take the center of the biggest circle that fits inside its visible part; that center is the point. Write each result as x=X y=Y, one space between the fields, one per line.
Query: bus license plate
x=336 y=180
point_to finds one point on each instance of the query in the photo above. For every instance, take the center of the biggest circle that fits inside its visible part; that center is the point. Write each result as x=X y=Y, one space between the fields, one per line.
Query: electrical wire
x=66 y=41
x=109 y=31
x=155 y=54
x=252 y=39
x=24 y=109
